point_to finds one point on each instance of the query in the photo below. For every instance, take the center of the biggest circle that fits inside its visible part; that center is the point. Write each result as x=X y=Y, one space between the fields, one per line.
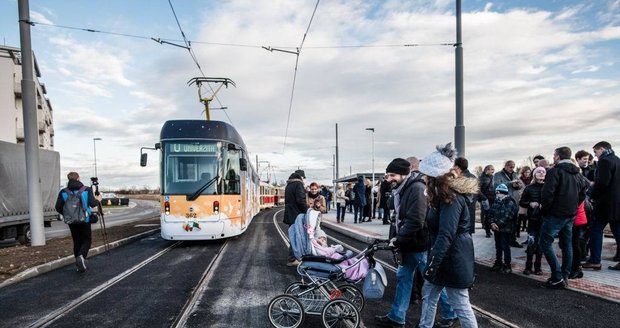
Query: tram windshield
x=190 y=165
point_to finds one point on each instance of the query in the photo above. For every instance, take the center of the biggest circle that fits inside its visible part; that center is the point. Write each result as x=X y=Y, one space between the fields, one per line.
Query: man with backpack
x=74 y=203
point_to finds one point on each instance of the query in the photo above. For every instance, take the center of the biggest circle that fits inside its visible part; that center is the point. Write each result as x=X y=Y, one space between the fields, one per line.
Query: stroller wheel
x=340 y=313
x=354 y=295
x=285 y=311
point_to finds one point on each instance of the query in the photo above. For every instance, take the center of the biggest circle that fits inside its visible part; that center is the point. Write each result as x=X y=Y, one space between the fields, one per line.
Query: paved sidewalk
x=604 y=283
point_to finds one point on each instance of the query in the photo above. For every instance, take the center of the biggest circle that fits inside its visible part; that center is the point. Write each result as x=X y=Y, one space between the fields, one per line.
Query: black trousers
x=82 y=238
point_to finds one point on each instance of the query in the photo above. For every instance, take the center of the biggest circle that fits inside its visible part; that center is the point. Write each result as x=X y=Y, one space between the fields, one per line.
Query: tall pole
x=334 y=183
x=459 y=129
x=95 y=153
x=372 y=184
x=31 y=133
x=337 y=159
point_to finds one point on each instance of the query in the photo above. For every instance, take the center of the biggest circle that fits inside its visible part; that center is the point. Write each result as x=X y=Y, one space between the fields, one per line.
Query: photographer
x=80 y=232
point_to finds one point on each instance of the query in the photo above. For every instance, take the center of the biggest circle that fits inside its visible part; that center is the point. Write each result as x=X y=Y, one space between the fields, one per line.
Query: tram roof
x=200 y=129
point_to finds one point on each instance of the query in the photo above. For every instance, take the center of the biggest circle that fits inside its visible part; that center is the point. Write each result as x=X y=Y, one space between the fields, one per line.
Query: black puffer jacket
x=451 y=258
x=564 y=189
x=532 y=193
x=412 y=233
x=294 y=198
x=486 y=187
x=606 y=189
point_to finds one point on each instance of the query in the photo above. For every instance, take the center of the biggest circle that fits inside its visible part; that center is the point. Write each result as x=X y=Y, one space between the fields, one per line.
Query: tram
x=209 y=189
x=279 y=195
x=267 y=195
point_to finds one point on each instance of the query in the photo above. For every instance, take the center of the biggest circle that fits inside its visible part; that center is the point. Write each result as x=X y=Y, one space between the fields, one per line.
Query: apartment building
x=11 y=112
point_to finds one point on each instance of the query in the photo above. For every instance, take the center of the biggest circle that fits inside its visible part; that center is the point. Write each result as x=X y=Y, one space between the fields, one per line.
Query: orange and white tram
x=209 y=189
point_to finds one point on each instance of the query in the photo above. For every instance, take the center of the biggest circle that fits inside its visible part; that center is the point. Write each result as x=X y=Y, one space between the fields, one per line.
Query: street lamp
x=95 y=152
x=372 y=184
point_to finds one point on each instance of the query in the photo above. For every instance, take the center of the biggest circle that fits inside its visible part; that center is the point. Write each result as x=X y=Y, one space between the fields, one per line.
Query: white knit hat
x=438 y=162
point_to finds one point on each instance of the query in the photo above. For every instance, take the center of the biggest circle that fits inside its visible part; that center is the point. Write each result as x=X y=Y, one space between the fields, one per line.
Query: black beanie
x=398 y=166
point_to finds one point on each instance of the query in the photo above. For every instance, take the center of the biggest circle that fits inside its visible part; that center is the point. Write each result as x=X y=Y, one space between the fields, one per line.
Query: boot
x=497 y=266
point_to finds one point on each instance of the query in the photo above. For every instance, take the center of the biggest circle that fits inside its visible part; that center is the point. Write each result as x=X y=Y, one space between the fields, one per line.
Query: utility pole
x=459 y=129
x=337 y=159
x=31 y=133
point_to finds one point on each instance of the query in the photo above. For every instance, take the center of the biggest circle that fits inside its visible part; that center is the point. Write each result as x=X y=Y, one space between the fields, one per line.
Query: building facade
x=11 y=112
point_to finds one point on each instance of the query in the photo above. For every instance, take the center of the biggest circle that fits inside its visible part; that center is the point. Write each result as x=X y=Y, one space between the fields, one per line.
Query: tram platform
x=604 y=283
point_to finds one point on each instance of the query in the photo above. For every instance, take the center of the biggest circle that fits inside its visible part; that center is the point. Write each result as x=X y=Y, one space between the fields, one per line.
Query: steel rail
x=194 y=298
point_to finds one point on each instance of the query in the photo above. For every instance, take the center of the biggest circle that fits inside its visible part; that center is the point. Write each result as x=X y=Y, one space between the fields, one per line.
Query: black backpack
x=74 y=211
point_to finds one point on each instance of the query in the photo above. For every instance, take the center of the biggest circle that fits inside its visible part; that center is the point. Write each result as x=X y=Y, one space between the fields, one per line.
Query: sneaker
x=527 y=272
x=496 y=267
x=554 y=284
x=80 y=263
x=384 y=321
x=506 y=269
x=538 y=272
x=446 y=323
x=576 y=274
x=293 y=263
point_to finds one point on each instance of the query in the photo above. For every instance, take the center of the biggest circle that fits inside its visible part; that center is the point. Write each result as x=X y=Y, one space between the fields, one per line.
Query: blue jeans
x=596 y=238
x=340 y=210
x=459 y=299
x=563 y=227
x=358 y=209
x=404 y=284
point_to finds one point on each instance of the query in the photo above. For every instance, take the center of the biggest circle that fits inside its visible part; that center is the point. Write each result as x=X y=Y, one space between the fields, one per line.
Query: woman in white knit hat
x=451 y=259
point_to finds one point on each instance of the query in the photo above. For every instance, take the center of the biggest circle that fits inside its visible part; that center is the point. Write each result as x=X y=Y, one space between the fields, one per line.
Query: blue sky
x=538 y=75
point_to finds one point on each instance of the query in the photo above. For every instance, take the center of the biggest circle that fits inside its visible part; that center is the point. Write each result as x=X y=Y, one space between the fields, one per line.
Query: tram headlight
x=167 y=208
x=216 y=207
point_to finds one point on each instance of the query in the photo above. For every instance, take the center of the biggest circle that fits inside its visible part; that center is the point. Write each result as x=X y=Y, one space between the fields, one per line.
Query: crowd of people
x=431 y=206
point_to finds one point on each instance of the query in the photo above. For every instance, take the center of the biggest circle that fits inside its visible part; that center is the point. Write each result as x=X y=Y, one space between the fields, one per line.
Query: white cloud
x=531 y=78
x=39 y=17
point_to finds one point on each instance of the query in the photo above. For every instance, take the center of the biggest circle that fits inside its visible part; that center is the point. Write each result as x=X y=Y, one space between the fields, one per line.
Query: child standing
x=531 y=199
x=501 y=218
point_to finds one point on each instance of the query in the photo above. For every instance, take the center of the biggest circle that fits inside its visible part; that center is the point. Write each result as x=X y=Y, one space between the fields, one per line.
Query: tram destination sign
x=192 y=148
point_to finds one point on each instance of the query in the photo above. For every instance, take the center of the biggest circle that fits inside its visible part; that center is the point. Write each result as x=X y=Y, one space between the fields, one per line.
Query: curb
x=53 y=265
x=365 y=238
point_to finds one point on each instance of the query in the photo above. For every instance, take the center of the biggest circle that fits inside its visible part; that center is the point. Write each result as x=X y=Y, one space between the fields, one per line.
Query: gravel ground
x=19 y=258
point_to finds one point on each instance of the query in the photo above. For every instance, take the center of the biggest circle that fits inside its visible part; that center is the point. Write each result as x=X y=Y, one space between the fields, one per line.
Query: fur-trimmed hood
x=464 y=185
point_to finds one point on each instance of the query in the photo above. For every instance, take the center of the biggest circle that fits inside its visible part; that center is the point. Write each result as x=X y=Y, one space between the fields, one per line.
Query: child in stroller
x=327 y=287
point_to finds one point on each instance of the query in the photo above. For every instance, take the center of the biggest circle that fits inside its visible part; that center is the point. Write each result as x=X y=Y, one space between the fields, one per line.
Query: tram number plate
x=191 y=215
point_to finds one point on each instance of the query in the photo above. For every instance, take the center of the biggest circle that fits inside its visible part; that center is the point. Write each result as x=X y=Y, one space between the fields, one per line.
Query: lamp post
x=372 y=184
x=95 y=152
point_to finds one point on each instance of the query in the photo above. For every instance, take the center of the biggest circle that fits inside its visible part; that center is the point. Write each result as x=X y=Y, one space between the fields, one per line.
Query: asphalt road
x=240 y=277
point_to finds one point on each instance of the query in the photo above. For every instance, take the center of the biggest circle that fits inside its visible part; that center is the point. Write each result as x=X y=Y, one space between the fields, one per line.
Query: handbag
x=374 y=283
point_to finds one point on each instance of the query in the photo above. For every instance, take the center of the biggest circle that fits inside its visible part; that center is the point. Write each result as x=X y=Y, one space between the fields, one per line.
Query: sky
x=537 y=75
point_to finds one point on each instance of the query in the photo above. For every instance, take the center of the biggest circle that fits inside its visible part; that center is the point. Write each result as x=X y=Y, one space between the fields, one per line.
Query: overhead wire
x=188 y=46
x=290 y=104
x=163 y=40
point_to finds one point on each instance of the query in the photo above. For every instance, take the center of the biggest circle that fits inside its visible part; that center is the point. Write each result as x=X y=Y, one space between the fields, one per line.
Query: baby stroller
x=327 y=290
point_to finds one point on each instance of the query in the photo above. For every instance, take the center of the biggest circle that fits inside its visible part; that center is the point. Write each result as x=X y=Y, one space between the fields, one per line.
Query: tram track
x=62 y=311
x=194 y=299
x=493 y=318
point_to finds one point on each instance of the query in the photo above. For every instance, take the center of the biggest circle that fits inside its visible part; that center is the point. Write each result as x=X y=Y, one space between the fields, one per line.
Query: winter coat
x=532 y=193
x=506 y=178
x=294 y=198
x=451 y=258
x=341 y=199
x=322 y=203
x=487 y=188
x=471 y=203
x=580 y=218
x=606 y=189
x=564 y=189
x=385 y=192
x=412 y=235
x=503 y=213
x=360 y=193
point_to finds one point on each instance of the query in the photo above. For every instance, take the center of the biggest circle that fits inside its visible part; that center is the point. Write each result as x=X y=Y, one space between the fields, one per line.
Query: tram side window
x=232 y=181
